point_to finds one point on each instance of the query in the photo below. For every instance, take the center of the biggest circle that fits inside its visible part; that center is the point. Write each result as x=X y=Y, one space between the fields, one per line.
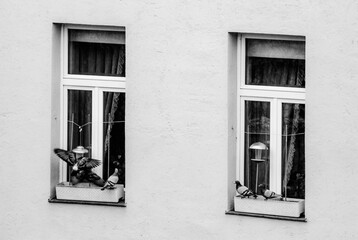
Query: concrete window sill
x=302 y=218
x=119 y=204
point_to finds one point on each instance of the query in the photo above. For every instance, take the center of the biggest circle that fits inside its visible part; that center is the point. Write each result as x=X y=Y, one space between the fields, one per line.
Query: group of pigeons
x=82 y=169
x=244 y=191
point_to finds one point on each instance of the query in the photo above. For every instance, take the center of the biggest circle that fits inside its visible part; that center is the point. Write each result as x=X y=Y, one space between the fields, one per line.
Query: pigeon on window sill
x=111 y=181
x=244 y=191
x=266 y=193
x=81 y=167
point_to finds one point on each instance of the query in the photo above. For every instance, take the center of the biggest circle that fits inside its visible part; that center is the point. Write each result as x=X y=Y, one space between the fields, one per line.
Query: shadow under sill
x=121 y=203
x=302 y=218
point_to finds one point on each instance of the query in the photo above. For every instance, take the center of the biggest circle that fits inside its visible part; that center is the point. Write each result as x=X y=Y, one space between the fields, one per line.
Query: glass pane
x=293 y=150
x=113 y=134
x=79 y=119
x=275 y=63
x=257 y=144
x=96 y=53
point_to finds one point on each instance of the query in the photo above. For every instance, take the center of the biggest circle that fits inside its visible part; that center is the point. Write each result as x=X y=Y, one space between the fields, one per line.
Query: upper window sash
x=242 y=63
x=110 y=35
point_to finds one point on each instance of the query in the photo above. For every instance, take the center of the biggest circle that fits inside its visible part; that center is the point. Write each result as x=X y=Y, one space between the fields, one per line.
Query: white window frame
x=272 y=94
x=97 y=85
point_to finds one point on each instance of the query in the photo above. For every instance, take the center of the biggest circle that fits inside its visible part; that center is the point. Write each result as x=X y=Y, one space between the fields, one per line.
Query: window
x=93 y=96
x=271 y=114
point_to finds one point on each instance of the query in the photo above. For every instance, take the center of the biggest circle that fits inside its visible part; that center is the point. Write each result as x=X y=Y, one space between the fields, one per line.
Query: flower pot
x=88 y=192
x=290 y=208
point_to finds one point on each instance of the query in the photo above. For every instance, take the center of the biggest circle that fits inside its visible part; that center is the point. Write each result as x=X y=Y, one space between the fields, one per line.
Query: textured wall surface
x=177 y=118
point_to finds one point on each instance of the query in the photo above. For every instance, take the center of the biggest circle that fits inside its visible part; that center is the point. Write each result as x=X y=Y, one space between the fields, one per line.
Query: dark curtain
x=97 y=59
x=113 y=132
x=276 y=72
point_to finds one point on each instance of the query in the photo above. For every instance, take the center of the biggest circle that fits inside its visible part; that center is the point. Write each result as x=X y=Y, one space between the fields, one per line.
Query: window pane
x=275 y=63
x=96 y=53
x=79 y=119
x=293 y=149
x=113 y=134
x=257 y=135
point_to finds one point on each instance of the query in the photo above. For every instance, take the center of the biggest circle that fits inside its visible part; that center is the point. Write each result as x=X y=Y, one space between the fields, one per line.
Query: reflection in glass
x=257 y=129
x=113 y=134
x=275 y=63
x=293 y=150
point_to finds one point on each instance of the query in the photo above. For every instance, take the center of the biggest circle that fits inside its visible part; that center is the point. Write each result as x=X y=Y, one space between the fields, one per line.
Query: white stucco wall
x=177 y=118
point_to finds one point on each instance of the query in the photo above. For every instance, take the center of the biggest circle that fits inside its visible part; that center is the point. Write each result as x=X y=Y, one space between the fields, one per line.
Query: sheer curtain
x=293 y=149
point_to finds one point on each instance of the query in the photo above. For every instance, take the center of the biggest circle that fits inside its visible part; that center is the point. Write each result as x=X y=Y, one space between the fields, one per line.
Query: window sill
x=88 y=192
x=293 y=208
x=119 y=204
x=302 y=218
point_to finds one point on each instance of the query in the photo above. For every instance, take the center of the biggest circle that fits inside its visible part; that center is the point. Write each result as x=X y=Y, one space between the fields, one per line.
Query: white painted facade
x=179 y=99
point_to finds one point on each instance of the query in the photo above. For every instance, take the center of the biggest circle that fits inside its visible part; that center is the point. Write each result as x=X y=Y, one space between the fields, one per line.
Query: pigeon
x=81 y=167
x=83 y=163
x=244 y=191
x=112 y=180
x=266 y=193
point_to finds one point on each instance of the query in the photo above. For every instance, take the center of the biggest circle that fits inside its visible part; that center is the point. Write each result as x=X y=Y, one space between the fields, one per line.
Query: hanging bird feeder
x=258 y=147
x=80 y=150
